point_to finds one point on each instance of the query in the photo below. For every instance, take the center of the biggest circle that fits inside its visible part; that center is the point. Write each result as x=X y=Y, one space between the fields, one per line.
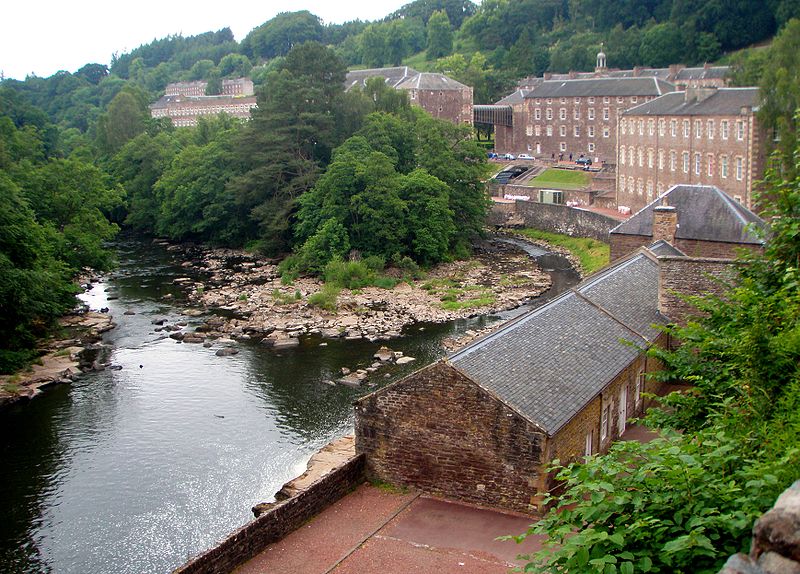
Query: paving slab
x=377 y=531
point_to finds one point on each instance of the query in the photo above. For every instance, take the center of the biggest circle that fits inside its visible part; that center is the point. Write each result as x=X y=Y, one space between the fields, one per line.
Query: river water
x=134 y=470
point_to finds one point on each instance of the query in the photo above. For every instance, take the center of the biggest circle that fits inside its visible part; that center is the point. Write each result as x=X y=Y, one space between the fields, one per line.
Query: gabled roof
x=392 y=76
x=601 y=87
x=723 y=101
x=703 y=73
x=516 y=97
x=430 y=81
x=551 y=362
x=705 y=213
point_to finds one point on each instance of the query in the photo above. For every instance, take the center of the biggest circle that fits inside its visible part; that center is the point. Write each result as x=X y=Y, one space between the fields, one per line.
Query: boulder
x=405 y=360
x=227 y=352
x=384 y=355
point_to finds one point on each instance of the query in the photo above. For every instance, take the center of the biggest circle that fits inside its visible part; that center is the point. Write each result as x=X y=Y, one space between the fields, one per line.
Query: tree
x=234 y=66
x=662 y=45
x=278 y=36
x=125 y=119
x=440 y=36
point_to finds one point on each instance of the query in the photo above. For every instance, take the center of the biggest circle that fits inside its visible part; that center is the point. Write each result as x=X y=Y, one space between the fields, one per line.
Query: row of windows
x=640 y=187
x=576 y=114
x=707 y=128
x=591 y=99
x=562 y=131
x=636 y=156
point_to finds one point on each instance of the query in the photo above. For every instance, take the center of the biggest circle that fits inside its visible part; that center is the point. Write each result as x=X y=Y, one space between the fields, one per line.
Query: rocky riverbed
x=251 y=300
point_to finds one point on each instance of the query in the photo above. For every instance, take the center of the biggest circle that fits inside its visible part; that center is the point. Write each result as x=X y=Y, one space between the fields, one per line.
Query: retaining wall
x=280 y=520
x=556 y=219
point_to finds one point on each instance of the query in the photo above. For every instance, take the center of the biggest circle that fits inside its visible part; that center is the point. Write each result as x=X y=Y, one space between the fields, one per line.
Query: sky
x=44 y=37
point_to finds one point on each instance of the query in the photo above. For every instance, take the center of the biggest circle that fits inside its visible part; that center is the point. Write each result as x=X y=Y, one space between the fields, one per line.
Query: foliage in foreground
x=686 y=501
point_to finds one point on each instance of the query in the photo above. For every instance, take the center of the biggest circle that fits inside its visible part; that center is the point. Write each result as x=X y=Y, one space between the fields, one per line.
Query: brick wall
x=693 y=276
x=441 y=433
x=280 y=520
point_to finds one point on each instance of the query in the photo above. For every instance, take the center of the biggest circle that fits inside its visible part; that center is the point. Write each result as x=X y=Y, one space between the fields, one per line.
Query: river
x=134 y=470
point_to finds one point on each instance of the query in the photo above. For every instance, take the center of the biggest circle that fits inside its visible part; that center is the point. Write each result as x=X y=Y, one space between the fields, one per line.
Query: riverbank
x=253 y=302
x=76 y=350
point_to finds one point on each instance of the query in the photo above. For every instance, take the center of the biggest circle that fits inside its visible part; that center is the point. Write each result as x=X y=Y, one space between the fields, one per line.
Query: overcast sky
x=51 y=35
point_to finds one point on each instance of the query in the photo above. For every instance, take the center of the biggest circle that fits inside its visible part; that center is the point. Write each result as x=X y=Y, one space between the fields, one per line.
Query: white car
x=524 y=156
x=510 y=156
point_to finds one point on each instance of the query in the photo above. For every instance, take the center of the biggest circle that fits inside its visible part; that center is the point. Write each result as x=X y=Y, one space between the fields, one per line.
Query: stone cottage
x=700 y=220
x=558 y=382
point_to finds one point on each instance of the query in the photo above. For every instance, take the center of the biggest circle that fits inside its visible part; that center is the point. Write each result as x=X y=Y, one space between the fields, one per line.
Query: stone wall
x=776 y=540
x=438 y=431
x=693 y=276
x=566 y=220
x=622 y=244
x=280 y=520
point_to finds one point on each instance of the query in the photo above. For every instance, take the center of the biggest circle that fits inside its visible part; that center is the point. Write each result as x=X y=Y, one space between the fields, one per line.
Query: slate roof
x=430 y=81
x=516 y=97
x=168 y=101
x=724 y=102
x=601 y=87
x=392 y=76
x=551 y=362
x=703 y=73
x=705 y=213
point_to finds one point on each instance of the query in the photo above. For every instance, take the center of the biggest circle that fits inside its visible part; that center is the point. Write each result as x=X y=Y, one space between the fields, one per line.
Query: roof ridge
x=609 y=314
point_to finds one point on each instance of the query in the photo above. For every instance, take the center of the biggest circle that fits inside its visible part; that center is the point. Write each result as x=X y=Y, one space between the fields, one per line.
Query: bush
x=326 y=298
x=348 y=274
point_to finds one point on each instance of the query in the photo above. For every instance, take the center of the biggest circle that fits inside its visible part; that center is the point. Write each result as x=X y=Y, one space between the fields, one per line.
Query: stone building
x=230 y=87
x=558 y=382
x=573 y=117
x=184 y=111
x=701 y=221
x=703 y=136
x=439 y=95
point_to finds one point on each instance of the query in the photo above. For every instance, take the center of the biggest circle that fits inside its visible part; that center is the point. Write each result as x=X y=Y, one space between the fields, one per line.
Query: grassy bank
x=592 y=254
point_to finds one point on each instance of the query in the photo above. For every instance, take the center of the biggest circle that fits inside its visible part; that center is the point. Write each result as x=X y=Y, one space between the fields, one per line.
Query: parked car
x=585 y=161
x=524 y=156
x=510 y=156
x=491 y=155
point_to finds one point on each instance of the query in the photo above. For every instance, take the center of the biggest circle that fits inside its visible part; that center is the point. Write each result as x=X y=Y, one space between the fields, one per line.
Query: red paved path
x=373 y=531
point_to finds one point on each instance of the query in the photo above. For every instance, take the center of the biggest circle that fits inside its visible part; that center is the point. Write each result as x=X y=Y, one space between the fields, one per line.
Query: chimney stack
x=665 y=223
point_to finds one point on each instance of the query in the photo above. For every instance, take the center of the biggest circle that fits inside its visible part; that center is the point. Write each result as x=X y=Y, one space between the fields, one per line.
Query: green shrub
x=326 y=298
x=348 y=274
x=385 y=282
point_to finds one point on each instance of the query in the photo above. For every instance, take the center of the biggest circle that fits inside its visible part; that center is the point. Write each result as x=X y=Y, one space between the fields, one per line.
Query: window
x=562 y=113
x=550 y=131
x=549 y=101
x=630 y=185
x=686 y=162
x=710 y=129
x=563 y=100
x=710 y=161
x=723 y=166
x=591 y=99
x=590 y=131
x=661 y=159
x=739 y=168
x=622 y=155
x=723 y=129
x=698 y=129
x=634 y=99
x=740 y=130
x=577 y=101
x=623 y=409
x=649 y=189
x=537 y=101
x=650 y=158
x=537 y=114
x=590 y=113
x=651 y=129
x=606 y=132
x=639 y=186
x=606 y=100
x=576 y=114
x=606 y=414
x=549 y=113
x=591 y=147
x=737 y=198
x=576 y=131
x=551 y=196
x=562 y=131
x=686 y=128
x=631 y=156
x=637 y=392
x=641 y=127
x=537 y=129
x=589 y=443
x=605 y=114
x=562 y=146
x=529 y=130
x=697 y=162
x=662 y=127
x=640 y=156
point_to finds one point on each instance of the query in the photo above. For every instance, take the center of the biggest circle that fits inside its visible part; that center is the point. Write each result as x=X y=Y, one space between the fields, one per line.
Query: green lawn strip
x=560 y=179
x=592 y=254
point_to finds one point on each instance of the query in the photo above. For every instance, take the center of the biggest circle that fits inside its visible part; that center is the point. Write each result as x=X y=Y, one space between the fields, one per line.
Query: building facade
x=568 y=119
x=702 y=136
x=184 y=111
x=230 y=87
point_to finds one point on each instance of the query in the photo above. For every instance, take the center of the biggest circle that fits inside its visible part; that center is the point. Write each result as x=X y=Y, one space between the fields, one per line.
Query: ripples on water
x=134 y=470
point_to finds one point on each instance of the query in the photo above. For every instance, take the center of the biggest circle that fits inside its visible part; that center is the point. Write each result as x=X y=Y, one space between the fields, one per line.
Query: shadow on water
x=133 y=470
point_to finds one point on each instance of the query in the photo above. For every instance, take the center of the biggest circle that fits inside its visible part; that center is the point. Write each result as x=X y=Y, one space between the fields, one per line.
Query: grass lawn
x=561 y=179
x=592 y=254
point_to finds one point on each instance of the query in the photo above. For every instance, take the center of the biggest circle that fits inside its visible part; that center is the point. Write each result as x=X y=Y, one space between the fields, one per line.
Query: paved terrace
x=375 y=530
